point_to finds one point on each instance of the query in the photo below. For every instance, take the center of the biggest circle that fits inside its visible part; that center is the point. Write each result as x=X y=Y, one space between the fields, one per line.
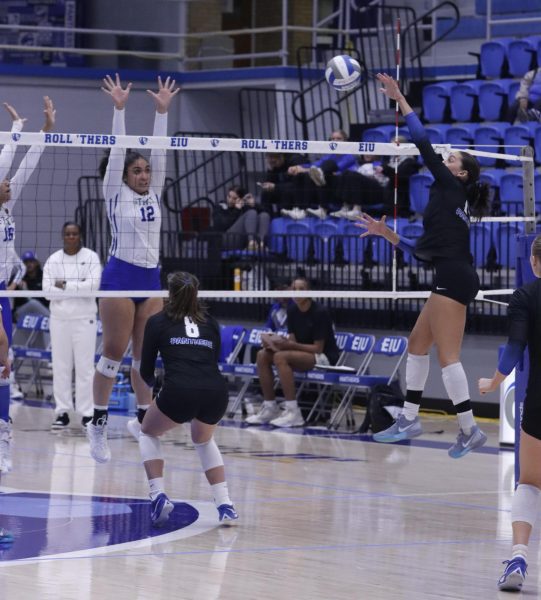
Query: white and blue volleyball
x=343 y=73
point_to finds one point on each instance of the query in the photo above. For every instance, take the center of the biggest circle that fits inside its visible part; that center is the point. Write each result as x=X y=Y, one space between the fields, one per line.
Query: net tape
x=94 y=140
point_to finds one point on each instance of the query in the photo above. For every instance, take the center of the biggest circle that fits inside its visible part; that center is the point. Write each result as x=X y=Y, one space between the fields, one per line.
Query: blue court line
x=313 y=548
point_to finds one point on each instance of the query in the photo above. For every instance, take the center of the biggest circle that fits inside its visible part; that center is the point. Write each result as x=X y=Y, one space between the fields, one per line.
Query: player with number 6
x=132 y=187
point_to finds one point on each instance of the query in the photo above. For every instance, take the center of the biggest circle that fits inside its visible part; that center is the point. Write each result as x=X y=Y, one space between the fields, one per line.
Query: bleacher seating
x=494 y=62
x=522 y=55
x=436 y=101
x=464 y=100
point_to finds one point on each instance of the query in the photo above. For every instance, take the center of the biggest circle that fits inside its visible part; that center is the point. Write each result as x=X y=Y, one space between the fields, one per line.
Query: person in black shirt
x=193 y=390
x=311 y=341
x=524 y=330
x=454 y=196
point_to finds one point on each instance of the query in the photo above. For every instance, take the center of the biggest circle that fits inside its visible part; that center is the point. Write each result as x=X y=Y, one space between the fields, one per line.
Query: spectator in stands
x=239 y=218
x=310 y=342
x=73 y=324
x=32 y=280
x=527 y=104
x=322 y=174
x=279 y=189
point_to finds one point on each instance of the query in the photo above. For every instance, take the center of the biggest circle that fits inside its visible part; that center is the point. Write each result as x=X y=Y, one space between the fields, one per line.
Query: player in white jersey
x=132 y=188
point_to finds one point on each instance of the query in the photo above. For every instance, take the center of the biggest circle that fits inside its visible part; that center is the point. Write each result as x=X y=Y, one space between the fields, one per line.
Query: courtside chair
x=380 y=368
x=493 y=58
x=522 y=55
x=494 y=99
x=436 y=101
x=232 y=337
x=464 y=101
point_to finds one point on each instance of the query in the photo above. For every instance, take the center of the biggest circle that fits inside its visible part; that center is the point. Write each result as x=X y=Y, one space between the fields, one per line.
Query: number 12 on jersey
x=147 y=213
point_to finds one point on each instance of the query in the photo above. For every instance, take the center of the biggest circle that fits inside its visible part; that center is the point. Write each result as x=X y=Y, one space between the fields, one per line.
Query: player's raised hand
x=13 y=113
x=164 y=95
x=390 y=86
x=116 y=91
x=372 y=226
x=50 y=114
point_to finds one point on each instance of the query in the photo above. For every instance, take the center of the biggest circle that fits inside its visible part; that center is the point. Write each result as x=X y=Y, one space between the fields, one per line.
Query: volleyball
x=343 y=73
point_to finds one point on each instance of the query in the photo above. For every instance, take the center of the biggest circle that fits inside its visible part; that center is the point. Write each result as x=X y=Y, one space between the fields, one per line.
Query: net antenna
x=395 y=198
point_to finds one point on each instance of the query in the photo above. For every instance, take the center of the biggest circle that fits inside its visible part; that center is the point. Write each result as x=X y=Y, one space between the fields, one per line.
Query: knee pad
x=150 y=447
x=456 y=383
x=136 y=365
x=209 y=455
x=525 y=504
x=107 y=367
x=417 y=367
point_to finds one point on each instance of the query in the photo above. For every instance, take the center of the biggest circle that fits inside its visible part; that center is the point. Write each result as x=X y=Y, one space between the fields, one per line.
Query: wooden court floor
x=320 y=518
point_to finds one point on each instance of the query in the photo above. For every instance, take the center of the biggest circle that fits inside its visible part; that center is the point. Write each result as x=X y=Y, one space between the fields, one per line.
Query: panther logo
x=143 y=140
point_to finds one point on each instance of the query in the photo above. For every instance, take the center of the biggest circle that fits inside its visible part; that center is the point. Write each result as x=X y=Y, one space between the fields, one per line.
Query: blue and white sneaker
x=227 y=512
x=514 y=575
x=466 y=443
x=401 y=429
x=160 y=509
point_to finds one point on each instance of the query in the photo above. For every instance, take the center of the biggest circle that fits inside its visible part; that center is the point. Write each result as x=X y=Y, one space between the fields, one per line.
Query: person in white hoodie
x=73 y=324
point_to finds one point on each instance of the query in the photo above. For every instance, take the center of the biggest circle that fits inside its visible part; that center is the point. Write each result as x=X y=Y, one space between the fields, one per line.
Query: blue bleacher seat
x=511 y=193
x=353 y=245
x=419 y=191
x=277 y=231
x=494 y=99
x=464 y=100
x=298 y=240
x=537 y=145
x=326 y=236
x=492 y=135
x=481 y=241
x=383 y=134
x=494 y=57
x=522 y=55
x=437 y=132
x=506 y=244
x=461 y=134
x=436 y=101
x=492 y=177
x=517 y=136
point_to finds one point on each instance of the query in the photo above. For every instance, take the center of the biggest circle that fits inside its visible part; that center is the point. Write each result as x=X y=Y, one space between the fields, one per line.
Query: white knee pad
x=525 y=504
x=150 y=447
x=209 y=455
x=417 y=367
x=456 y=383
x=107 y=367
x=136 y=365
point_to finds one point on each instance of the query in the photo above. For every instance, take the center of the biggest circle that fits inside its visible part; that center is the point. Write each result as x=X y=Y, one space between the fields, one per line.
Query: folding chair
x=381 y=367
x=232 y=341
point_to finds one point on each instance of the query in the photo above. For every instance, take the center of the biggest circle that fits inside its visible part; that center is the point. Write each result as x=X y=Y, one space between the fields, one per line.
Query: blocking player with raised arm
x=194 y=391
x=524 y=330
x=455 y=195
x=132 y=187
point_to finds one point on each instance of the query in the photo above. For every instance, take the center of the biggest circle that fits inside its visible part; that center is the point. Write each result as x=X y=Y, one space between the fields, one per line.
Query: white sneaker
x=353 y=214
x=97 y=438
x=318 y=212
x=317 y=176
x=134 y=427
x=15 y=392
x=5 y=446
x=267 y=413
x=340 y=214
x=291 y=417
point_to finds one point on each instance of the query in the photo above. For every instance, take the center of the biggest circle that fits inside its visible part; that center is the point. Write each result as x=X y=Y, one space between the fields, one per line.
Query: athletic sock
x=156 y=487
x=456 y=386
x=220 y=493
x=412 y=404
x=100 y=415
x=520 y=550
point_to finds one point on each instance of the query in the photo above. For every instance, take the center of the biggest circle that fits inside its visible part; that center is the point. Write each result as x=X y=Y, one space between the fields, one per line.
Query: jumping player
x=193 y=391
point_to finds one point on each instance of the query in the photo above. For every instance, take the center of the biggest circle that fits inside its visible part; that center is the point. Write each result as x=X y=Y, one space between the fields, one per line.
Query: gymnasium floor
x=320 y=518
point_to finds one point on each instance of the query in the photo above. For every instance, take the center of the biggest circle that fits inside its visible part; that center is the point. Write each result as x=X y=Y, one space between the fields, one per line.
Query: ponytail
x=183 y=301
x=478 y=193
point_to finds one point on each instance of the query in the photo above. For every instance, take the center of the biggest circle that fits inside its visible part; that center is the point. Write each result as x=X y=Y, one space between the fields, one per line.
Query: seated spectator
x=239 y=217
x=32 y=280
x=527 y=104
x=279 y=189
x=310 y=342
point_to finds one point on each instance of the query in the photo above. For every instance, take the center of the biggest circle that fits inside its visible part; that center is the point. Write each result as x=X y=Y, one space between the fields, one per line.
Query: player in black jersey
x=524 y=330
x=193 y=390
x=455 y=195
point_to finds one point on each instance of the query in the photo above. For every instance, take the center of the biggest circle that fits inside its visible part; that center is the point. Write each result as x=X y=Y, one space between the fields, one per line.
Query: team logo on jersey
x=15 y=137
x=214 y=142
x=48 y=525
x=333 y=145
x=143 y=140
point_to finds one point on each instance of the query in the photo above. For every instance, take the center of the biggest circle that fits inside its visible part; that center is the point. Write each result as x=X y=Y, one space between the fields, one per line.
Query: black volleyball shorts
x=456 y=279
x=184 y=404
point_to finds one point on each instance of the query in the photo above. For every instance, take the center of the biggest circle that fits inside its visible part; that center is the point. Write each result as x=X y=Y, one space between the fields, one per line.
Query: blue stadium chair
x=419 y=191
x=492 y=177
x=493 y=58
x=405 y=132
x=522 y=55
x=492 y=135
x=517 y=136
x=326 y=236
x=277 y=232
x=494 y=99
x=537 y=145
x=537 y=189
x=436 y=101
x=513 y=89
x=437 y=132
x=298 y=240
x=464 y=99
x=461 y=134
x=382 y=134
x=511 y=193
x=481 y=241
x=506 y=243
x=412 y=231
x=353 y=245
